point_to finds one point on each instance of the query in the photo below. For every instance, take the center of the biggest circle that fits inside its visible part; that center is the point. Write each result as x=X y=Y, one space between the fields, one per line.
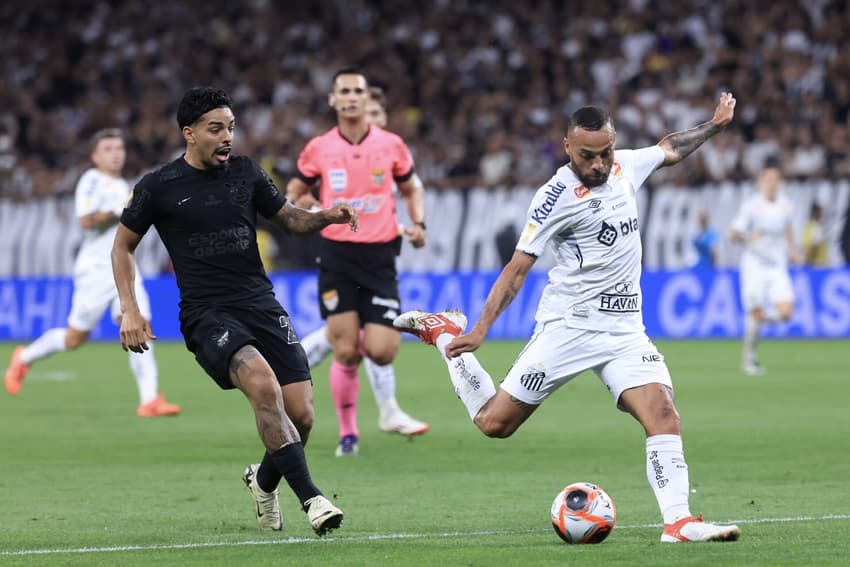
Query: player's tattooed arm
x=294 y=220
x=679 y=145
x=503 y=292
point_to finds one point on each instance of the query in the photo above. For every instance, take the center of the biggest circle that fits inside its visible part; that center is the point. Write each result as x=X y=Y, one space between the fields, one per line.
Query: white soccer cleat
x=429 y=326
x=690 y=529
x=323 y=515
x=396 y=420
x=753 y=369
x=268 y=507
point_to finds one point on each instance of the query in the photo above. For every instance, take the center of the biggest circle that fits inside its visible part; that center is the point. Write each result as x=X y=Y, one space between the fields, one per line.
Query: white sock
x=50 y=342
x=472 y=383
x=752 y=329
x=667 y=473
x=144 y=369
x=382 y=380
x=317 y=346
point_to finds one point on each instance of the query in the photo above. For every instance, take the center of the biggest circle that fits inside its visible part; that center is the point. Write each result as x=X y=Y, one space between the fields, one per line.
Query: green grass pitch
x=83 y=481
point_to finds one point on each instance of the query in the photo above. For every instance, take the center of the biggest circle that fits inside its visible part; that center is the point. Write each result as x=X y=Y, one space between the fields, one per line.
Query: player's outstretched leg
x=693 y=529
x=16 y=372
x=317 y=346
x=429 y=326
x=473 y=385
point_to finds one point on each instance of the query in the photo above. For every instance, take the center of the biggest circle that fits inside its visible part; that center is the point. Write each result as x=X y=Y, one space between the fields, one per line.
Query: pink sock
x=345 y=385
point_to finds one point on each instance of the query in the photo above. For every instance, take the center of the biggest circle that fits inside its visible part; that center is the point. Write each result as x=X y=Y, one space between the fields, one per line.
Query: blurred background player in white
x=359 y=164
x=100 y=197
x=391 y=418
x=763 y=226
x=589 y=316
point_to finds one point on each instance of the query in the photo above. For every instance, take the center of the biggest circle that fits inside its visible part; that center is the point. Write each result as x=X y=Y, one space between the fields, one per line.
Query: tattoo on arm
x=509 y=295
x=298 y=221
x=682 y=144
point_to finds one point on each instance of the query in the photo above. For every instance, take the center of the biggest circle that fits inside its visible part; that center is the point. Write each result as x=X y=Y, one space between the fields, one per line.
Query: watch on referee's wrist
x=421 y=224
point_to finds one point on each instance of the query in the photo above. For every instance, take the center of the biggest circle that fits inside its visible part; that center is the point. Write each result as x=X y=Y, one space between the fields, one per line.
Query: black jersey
x=207 y=221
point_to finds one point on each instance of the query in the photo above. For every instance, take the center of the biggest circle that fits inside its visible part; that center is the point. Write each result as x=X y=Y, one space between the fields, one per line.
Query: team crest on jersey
x=581 y=191
x=330 y=299
x=378 y=176
x=338 y=179
x=239 y=194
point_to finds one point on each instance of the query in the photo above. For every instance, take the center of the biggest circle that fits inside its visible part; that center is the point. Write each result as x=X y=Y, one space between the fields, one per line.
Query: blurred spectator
x=483 y=87
x=705 y=243
x=814 y=238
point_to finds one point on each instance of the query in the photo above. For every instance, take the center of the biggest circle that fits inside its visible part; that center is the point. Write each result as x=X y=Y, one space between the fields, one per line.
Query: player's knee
x=495 y=428
x=664 y=419
x=347 y=355
x=381 y=358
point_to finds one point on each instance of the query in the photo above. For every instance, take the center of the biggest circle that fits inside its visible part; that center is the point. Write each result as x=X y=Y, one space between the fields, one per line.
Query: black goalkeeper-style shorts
x=359 y=277
x=215 y=334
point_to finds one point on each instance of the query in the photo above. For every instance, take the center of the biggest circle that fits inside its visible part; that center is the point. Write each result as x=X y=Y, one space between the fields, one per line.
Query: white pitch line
x=373 y=537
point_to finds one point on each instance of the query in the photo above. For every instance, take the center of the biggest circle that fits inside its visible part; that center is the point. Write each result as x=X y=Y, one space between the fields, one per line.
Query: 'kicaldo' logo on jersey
x=541 y=213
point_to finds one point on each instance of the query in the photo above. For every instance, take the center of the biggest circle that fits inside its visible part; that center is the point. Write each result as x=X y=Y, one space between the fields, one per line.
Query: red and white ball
x=583 y=513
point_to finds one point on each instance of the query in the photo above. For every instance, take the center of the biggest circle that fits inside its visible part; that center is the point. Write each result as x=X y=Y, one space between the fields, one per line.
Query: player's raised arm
x=413 y=192
x=679 y=145
x=135 y=329
x=295 y=220
x=504 y=290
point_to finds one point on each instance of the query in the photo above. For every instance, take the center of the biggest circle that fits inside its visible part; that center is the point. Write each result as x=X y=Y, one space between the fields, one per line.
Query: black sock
x=268 y=477
x=291 y=464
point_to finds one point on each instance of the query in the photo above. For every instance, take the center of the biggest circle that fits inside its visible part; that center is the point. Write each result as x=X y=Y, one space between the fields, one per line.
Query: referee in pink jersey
x=356 y=163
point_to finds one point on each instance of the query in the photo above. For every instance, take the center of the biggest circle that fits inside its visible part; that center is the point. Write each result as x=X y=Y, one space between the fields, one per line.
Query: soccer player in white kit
x=589 y=316
x=763 y=226
x=100 y=197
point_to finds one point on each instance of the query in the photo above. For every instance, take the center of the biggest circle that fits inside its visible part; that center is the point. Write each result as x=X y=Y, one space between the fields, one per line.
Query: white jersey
x=770 y=219
x=98 y=192
x=595 y=283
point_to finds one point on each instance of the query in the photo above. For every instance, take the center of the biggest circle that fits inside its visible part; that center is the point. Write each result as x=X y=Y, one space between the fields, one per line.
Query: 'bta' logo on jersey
x=608 y=233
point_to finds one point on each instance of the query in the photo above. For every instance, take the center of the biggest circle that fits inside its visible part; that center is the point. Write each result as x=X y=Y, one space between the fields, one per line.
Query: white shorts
x=556 y=354
x=94 y=291
x=761 y=286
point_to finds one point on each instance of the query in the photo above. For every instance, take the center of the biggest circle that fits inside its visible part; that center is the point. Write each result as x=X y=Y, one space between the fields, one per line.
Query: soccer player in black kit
x=204 y=206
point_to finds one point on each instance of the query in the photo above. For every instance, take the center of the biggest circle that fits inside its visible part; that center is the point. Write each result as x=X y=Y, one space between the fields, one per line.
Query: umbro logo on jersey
x=553 y=192
x=595 y=204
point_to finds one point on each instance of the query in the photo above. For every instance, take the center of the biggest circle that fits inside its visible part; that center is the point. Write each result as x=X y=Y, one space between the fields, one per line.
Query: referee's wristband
x=422 y=224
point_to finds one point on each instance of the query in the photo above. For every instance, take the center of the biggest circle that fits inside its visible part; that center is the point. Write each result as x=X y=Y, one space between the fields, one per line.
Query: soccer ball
x=583 y=513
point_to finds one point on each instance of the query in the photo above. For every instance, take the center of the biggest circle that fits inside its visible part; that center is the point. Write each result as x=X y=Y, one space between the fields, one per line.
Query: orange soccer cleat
x=690 y=529
x=16 y=372
x=157 y=407
x=429 y=326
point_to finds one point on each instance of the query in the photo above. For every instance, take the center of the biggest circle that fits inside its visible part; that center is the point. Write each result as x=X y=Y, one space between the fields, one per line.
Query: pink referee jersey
x=361 y=175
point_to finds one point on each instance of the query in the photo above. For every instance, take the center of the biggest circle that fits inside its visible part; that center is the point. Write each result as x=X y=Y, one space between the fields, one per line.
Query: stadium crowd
x=481 y=89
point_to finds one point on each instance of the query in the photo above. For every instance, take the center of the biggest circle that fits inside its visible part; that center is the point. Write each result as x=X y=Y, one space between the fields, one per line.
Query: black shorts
x=214 y=334
x=359 y=277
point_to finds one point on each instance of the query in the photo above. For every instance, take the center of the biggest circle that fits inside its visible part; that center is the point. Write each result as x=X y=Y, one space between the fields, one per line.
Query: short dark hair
x=102 y=134
x=198 y=101
x=590 y=118
x=347 y=71
x=377 y=94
